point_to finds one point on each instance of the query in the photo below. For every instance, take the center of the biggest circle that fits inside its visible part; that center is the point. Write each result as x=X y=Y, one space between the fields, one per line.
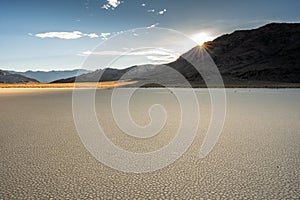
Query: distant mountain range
x=269 y=54
x=49 y=76
x=6 y=77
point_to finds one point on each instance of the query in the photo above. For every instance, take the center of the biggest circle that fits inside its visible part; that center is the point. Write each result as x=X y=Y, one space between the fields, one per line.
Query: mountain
x=143 y=74
x=49 y=76
x=269 y=54
x=6 y=77
x=109 y=74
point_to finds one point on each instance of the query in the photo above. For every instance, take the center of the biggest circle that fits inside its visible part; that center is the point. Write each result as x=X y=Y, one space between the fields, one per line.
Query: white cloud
x=162 y=58
x=114 y=3
x=143 y=4
x=72 y=35
x=151 y=54
x=153 y=25
x=104 y=36
x=61 y=35
x=111 y=4
x=162 y=12
x=102 y=53
x=155 y=56
x=159 y=12
x=117 y=33
x=85 y=53
x=105 y=6
x=92 y=35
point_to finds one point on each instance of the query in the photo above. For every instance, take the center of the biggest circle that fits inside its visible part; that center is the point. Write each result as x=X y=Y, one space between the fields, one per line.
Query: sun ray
x=201 y=38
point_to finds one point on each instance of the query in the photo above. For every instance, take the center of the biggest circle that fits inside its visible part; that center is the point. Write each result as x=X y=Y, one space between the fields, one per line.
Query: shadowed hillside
x=269 y=53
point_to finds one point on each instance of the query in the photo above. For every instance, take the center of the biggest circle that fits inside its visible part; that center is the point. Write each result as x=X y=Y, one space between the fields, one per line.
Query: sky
x=64 y=34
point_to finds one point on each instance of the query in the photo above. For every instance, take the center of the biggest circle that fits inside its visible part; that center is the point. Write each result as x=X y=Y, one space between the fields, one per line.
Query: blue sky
x=60 y=34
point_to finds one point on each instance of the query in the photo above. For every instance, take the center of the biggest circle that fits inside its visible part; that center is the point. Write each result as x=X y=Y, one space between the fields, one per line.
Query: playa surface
x=257 y=155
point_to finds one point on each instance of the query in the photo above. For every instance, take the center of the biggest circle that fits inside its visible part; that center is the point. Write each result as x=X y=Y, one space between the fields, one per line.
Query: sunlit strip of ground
x=113 y=84
x=108 y=84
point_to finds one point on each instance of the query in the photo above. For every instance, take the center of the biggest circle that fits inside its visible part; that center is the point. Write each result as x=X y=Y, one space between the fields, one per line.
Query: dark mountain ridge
x=269 y=53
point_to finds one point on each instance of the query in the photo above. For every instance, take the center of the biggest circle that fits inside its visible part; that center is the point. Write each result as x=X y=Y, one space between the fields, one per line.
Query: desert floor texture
x=257 y=155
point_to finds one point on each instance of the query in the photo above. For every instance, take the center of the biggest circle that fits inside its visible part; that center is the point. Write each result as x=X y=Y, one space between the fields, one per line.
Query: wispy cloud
x=162 y=58
x=162 y=12
x=91 y=35
x=72 y=35
x=105 y=6
x=151 y=11
x=61 y=35
x=111 y=4
x=104 y=36
x=101 y=53
x=155 y=55
x=153 y=25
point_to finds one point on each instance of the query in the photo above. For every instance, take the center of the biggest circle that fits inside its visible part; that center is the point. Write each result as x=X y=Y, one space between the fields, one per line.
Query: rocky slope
x=270 y=53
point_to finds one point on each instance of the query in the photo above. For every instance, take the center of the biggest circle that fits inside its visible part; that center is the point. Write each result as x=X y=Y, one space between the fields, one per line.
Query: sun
x=202 y=37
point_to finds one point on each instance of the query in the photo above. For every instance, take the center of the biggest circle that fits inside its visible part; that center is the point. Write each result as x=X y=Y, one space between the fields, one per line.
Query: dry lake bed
x=257 y=155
